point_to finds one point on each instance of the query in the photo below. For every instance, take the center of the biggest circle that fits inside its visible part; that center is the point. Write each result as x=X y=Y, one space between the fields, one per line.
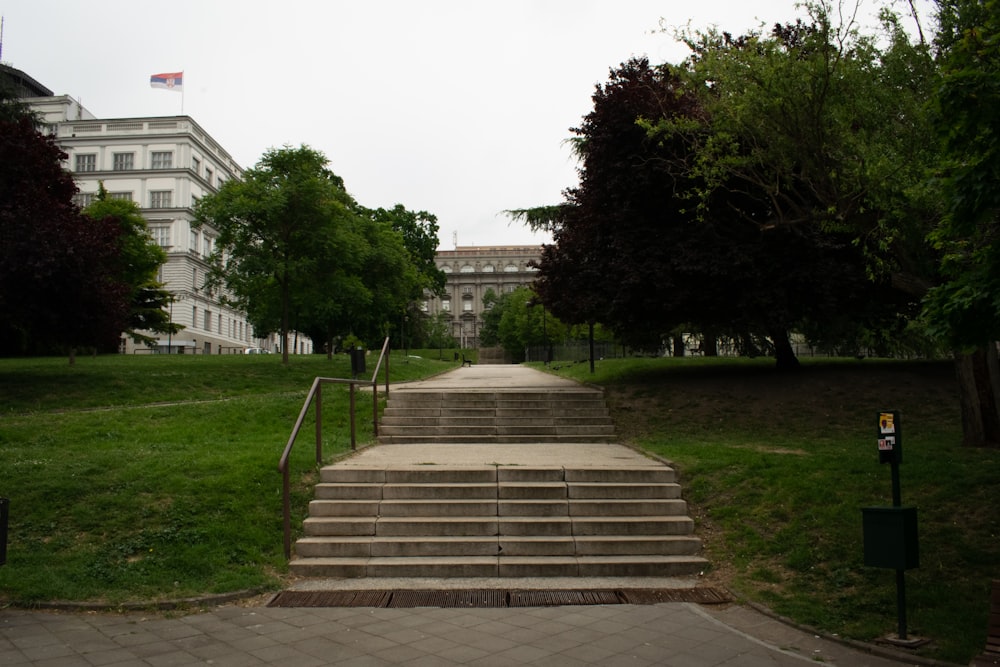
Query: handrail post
x=287 y=512
x=319 y=424
x=375 y=409
x=353 y=440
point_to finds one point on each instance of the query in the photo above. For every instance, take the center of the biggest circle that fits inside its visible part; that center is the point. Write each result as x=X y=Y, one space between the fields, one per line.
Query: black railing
x=315 y=397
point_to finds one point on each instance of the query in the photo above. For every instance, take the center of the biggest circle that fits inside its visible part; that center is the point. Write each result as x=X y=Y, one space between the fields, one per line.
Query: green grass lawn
x=143 y=478
x=776 y=468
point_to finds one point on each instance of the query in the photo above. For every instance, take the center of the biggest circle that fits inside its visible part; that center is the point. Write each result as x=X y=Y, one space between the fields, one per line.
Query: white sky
x=459 y=108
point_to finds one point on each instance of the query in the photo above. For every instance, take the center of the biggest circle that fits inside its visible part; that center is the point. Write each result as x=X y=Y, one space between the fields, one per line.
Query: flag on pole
x=170 y=81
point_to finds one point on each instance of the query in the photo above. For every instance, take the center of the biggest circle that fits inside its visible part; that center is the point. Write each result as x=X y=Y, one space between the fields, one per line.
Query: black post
x=901 y=603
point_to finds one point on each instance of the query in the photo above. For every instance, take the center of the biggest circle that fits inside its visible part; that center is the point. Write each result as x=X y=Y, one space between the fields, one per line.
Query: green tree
x=816 y=132
x=60 y=275
x=965 y=309
x=140 y=260
x=415 y=233
x=287 y=250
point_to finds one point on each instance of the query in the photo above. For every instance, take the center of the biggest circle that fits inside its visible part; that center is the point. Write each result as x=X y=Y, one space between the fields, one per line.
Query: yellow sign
x=885 y=422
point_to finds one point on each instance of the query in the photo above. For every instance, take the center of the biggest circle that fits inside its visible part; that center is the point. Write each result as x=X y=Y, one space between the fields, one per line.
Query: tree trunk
x=678 y=345
x=784 y=355
x=710 y=343
x=72 y=356
x=979 y=392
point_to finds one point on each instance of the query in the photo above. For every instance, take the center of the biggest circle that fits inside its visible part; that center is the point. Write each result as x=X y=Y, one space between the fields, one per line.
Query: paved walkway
x=679 y=634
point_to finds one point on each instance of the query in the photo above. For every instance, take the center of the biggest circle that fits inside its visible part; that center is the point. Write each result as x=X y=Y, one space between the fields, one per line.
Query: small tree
x=139 y=261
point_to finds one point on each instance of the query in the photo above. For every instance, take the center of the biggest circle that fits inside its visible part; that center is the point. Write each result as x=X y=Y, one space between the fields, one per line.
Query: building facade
x=471 y=271
x=163 y=164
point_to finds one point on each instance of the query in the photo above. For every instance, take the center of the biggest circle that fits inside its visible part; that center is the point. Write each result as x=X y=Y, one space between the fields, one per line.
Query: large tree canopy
x=681 y=245
x=295 y=251
x=61 y=283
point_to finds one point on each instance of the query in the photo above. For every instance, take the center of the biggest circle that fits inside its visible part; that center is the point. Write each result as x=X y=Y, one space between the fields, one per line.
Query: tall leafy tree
x=140 y=260
x=680 y=251
x=60 y=271
x=966 y=307
x=286 y=241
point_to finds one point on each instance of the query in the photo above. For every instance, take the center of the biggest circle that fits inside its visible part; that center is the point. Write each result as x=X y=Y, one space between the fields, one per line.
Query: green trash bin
x=890 y=537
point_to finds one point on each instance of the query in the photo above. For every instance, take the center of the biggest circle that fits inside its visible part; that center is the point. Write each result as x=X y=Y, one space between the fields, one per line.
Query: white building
x=164 y=164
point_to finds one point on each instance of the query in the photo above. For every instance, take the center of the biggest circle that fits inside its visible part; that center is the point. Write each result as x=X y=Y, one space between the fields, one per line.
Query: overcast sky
x=457 y=108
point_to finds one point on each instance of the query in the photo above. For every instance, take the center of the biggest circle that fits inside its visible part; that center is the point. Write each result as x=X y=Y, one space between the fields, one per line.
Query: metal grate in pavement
x=497 y=598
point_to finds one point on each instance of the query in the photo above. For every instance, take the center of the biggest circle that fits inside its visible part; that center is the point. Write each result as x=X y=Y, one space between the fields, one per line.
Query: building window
x=467 y=290
x=510 y=268
x=160 y=235
x=163 y=160
x=508 y=289
x=84 y=199
x=208 y=320
x=467 y=306
x=160 y=199
x=194 y=316
x=120 y=196
x=196 y=165
x=446 y=305
x=424 y=306
x=208 y=175
x=445 y=269
x=489 y=268
x=468 y=268
x=207 y=241
x=86 y=162
x=123 y=161
x=194 y=242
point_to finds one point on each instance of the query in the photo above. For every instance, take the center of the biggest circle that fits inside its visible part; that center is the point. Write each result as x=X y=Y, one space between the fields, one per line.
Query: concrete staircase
x=497 y=520
x=484 y=417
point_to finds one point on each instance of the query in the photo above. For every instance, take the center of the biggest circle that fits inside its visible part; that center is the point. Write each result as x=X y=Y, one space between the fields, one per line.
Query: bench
x=991 y=656
x=466 y=362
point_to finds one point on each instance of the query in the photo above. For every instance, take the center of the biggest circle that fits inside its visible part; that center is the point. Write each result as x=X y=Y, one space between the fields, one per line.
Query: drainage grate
x=489 y=598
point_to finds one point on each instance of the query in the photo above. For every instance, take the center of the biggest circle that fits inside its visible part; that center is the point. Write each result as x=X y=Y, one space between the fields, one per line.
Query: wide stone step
x=526 y=545
x=491 y=439
x=605 y=430
x=493 y=566
x=554 y=419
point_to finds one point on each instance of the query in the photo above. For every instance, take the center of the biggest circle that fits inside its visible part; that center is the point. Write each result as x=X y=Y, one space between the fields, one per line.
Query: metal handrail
x=316 y=394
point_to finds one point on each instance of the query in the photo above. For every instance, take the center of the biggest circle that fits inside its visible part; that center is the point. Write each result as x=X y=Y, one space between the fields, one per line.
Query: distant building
x=470 y=272
x=164 y=164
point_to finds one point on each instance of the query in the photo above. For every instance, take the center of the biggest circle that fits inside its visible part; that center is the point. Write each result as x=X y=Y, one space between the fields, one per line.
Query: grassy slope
x=778 y=466
x=141 y=478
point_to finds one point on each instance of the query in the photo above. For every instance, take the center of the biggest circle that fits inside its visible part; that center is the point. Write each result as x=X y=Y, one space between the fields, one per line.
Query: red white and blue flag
x=170 y=81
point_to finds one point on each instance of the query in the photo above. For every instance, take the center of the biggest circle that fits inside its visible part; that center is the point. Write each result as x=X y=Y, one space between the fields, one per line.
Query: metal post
x=901 y=603
x=900 y=574
x=375 y=409
x=319 y=423
x=353 y=440
x=286 y=512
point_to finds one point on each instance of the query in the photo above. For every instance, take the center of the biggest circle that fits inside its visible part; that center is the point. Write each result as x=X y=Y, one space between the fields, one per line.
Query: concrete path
x=679 y=634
